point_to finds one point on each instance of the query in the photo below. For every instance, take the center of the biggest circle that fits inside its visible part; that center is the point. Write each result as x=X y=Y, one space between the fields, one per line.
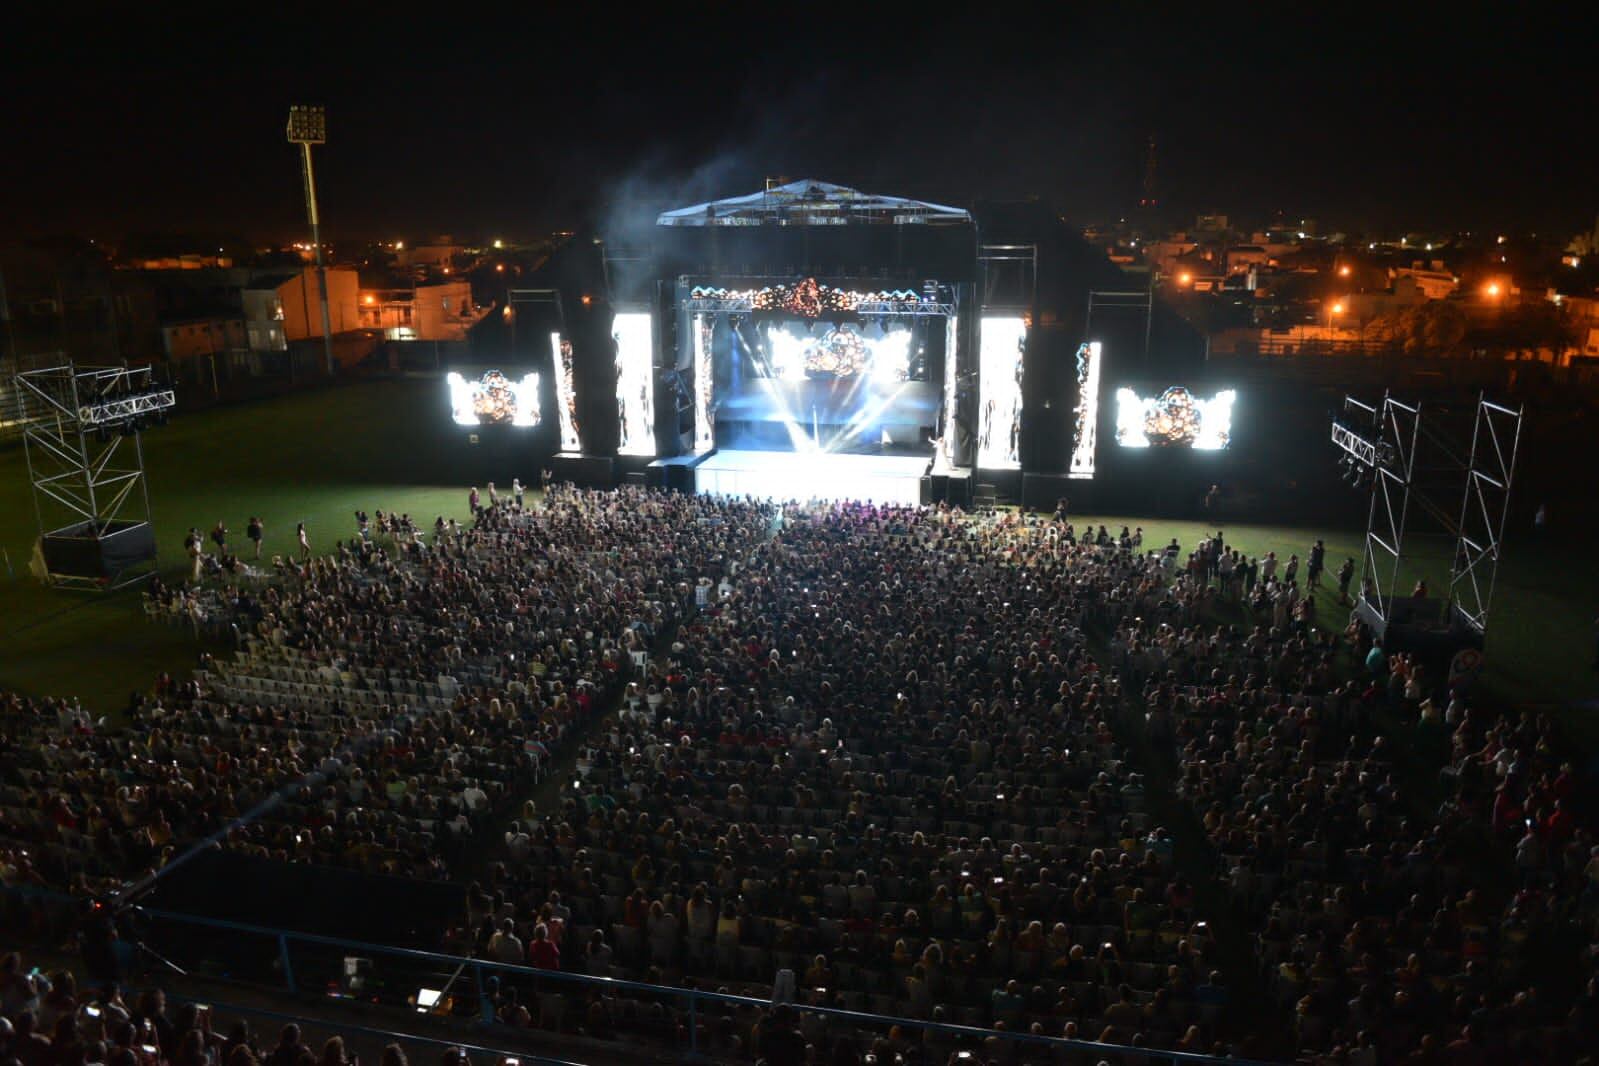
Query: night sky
x=476 y=124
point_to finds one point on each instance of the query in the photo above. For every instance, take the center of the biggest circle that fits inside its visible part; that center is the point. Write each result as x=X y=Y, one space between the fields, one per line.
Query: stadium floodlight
x=308 y=126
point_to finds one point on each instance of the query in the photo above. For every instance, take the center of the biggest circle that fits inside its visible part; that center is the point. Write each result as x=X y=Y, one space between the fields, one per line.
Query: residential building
x=439 y=311
x=284 y=307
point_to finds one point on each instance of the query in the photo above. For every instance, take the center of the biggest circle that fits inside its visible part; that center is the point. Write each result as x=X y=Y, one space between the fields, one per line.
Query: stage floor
x=813 y=475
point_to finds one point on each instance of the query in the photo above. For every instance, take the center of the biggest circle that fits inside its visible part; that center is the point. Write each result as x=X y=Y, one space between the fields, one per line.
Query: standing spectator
x=305 y=542
x=1318 y=563
x=494 y=496
x=194 y=548
x=1346 y=574
x=474 y=501
x=255 y=530
x=516 y=492
x=542 y=953
x=219 y=537
x=288 y=1049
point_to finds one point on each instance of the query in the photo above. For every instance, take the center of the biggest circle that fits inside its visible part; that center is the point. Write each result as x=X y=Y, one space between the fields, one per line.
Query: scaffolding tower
x=1411 y=464
x=85 y=460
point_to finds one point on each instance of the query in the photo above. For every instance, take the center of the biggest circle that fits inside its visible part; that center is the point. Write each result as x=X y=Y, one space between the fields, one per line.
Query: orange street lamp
x=1343 y=271
x=1184 y=278
x=1493 y=290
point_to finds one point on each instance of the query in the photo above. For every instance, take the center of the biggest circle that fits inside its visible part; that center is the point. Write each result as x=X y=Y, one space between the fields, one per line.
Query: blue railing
x=695 y=1002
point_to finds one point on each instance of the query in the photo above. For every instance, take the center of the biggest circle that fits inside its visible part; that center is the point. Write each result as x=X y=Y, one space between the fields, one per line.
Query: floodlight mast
x=308 y=126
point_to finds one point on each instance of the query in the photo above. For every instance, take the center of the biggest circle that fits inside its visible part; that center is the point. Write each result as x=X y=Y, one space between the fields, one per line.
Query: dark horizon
x=516 y=129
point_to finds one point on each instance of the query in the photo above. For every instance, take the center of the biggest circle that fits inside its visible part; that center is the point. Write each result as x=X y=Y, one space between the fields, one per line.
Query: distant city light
x=1493 y=288
x=1338 y=309
x=1343 y=271
x=500 y=267
x=1501 y=239
x=369 y=299
x=499 y=243
x=1372 y=247
x=399 y=246
x=1301 y=234
x=1184 y=278
x=587 y=299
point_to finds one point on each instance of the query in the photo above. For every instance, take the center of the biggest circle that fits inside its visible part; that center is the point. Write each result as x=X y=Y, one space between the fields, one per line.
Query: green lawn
x=316 y=457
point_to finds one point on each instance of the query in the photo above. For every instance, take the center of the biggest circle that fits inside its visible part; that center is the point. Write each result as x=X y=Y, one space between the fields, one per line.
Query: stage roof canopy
x=813 y=203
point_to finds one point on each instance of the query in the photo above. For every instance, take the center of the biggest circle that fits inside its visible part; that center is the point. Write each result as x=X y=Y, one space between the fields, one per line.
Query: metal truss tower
x=86 y=463
x=1411 y=463
x=1495 y=439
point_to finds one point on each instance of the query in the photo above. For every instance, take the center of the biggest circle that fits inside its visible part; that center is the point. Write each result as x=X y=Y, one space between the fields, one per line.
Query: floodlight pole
x=308 y=126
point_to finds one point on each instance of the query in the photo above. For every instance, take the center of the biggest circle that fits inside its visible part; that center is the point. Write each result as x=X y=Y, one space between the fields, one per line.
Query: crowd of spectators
x=388 y=702
x=882 y=758
x=53 y=1020
x=1419 y=888
x=875 y=747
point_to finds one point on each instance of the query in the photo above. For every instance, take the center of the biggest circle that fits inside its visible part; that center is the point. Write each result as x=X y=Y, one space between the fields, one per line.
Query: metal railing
x=699 y=1007
x=301 y=960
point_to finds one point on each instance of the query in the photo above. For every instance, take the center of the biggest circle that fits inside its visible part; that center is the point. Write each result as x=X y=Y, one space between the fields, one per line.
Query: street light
x=308 y=126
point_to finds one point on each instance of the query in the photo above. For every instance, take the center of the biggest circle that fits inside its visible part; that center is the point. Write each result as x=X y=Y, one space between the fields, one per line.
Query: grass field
x=317 y=457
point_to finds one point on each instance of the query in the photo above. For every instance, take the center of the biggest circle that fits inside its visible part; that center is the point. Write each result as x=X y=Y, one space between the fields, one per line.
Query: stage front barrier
x=893 y=479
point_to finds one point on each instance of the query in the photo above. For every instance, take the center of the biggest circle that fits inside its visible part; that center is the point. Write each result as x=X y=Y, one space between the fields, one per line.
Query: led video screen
x=494 y=399
x=834 y=385
x=1175 y=419
x=951 y=376
x=1086 y=426
x=635 y=382
x=565 y=394
x=1002 y=341
x=704 y=384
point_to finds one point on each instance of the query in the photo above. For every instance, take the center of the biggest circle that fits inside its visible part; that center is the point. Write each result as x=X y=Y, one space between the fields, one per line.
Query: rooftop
x=812 y=203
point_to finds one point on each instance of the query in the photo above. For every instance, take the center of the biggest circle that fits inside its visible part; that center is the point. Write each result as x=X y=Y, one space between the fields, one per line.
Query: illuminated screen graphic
x=1174 y=419
x=795 y=353
x=494 y=400
x=999 y=354
x=951 y=374
x=565 y=394
x=635 y=382
x=704 y=384
x=1087 y=414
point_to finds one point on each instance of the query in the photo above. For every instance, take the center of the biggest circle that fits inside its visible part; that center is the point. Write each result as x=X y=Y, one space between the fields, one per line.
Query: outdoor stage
x=808 y=475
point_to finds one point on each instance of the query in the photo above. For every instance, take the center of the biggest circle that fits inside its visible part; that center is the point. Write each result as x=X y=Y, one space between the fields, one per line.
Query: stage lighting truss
x=810 y=299
x=98 y=397
x=1354 y=445
x=127 y=408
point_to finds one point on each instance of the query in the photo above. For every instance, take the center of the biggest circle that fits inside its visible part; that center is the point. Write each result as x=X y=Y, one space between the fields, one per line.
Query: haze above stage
x=813 y=475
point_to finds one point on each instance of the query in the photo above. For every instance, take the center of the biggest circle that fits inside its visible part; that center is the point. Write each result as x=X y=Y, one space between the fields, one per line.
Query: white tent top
x=812 y=203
